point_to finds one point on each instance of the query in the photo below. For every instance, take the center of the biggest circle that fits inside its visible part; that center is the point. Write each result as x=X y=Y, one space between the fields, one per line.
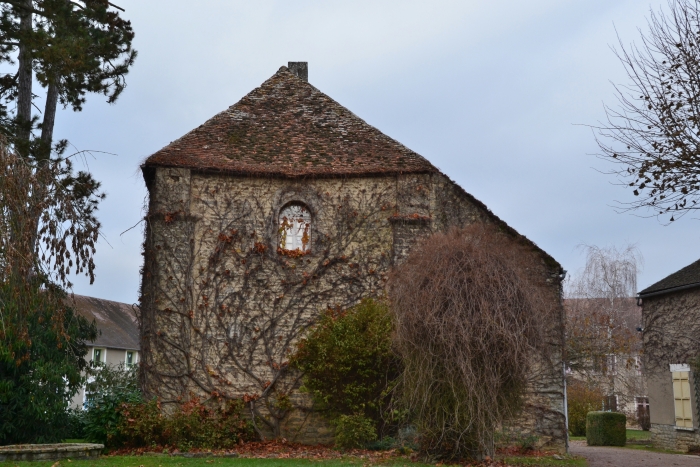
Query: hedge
x=606 y=429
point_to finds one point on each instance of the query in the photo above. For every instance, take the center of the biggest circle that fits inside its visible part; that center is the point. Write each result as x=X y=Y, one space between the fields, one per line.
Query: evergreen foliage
x=354 y=431
x=41 y=360
x=606 y=429
x=107 y=390
x=48 y=226
x=349 y=367
x=71 y=49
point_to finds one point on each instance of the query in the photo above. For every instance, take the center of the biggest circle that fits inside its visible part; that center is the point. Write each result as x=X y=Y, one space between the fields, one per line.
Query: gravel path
x=600 y=456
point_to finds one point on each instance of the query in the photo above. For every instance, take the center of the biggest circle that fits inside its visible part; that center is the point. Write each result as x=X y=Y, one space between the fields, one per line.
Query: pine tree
x=71 y=48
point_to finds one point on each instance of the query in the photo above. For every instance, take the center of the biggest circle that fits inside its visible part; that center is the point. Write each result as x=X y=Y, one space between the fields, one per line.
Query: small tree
x=42 y=345
x=653 y=135
x=470 y=321
x=581 y=398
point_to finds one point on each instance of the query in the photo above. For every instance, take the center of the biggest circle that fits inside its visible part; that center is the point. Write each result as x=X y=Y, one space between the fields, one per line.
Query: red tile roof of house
x=287 y=127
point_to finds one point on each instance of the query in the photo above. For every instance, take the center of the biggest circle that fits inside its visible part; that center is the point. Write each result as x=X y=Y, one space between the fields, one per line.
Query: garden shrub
x=191 y=425
x=527 y=443
x=606 y=429
x=43 y=343
x=581 y=398
x=108 y=388
x=75 y=427
x=349 y=367
x=354 y=431
x=470 y=321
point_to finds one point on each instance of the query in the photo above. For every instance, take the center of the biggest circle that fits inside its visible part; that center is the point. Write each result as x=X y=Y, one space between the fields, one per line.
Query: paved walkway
x=600 y=456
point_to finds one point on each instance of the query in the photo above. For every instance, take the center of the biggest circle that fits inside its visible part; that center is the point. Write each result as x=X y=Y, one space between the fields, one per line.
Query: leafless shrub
x=470 y=315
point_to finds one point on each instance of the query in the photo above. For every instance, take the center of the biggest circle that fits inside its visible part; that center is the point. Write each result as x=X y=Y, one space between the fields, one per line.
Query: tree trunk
x=49 y=119
x=24 y=80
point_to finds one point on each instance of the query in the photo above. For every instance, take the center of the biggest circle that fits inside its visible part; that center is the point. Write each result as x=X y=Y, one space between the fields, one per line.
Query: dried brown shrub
x=47 y=218
x=470 y=314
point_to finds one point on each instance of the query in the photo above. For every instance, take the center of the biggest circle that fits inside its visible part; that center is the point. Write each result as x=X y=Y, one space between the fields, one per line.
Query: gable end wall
x=215 y=289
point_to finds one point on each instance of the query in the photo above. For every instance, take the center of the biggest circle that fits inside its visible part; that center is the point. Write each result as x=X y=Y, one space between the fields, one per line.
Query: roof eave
x=652 y=293
x=283 y=175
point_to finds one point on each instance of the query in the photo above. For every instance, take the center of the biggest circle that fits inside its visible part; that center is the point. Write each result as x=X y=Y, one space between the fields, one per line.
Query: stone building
x=671 y=313
x=280 y=206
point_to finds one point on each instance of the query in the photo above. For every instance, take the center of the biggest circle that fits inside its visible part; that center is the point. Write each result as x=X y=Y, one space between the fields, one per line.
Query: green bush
x=75 y=427
x=109 y=388
x=349 y=367
x=354 y=431
x=606 y=429
x=192 y=425
x=581 y=398
x=42 y=349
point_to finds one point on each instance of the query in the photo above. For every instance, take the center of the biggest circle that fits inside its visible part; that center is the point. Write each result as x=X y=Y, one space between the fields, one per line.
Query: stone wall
x=670 y=329
x=222 y=309
x=670 y=337
x=671 y=438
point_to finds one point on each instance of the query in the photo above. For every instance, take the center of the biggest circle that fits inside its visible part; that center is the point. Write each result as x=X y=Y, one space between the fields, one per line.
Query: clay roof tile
x=287 y=127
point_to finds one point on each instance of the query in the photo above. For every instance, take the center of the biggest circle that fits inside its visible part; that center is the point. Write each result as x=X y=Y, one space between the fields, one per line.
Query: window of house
x=610 y=403
x=295 y=228
x=642 y=403
x=605 y=364
x=130 y=358
x=681 y=399
x=99 y=355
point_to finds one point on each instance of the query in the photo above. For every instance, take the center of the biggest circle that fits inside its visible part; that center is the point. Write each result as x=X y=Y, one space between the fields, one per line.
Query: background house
x=671 y=315
x=118 y=334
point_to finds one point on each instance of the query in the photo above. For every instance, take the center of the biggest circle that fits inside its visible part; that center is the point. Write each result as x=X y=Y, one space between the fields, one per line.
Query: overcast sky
x=490 y=92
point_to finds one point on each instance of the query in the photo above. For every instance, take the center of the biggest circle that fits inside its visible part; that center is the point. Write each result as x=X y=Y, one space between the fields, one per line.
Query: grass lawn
x=167 y=461
x=636 y=440
x=638 y=435
x=632 y=435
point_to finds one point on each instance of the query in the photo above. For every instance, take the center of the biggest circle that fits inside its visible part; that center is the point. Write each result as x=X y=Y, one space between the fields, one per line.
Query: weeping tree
x=602 y=316
x=469 y=322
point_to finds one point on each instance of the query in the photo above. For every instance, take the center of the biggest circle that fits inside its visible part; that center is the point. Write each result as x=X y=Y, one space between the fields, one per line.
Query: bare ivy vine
x=222 y=310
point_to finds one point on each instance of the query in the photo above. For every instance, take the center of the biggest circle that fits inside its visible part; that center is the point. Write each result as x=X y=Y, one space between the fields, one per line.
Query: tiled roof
x=287 y=127
x=688 y=276
x=116 y=321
